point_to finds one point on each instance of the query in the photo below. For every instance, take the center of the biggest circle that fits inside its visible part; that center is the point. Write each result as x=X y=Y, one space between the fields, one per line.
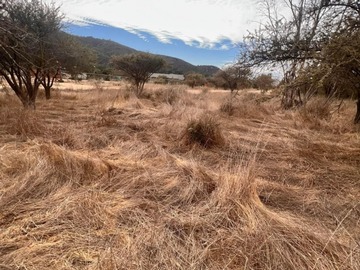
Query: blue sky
x=149 y=43
x=202 y=32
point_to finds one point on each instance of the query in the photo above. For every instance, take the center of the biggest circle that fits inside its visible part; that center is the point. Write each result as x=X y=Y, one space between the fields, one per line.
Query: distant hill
x=106 y=48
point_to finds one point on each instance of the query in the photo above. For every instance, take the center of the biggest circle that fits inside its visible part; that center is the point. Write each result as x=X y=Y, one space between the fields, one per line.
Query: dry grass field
x=96 y=178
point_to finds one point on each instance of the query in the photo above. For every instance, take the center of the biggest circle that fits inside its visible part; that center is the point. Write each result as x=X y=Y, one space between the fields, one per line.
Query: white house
x=178 y=77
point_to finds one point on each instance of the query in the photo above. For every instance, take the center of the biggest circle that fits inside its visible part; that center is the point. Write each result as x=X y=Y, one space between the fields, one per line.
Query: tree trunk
x=287 y=101
x=32 y=103
x=24 y=101
x=31 y=96
x=47 y=92
x=357 y=116
x=27 y=102
x=139 y=88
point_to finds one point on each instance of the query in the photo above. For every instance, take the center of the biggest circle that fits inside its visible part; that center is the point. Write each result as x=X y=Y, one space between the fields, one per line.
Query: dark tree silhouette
x=26 y=29
x=138 y=68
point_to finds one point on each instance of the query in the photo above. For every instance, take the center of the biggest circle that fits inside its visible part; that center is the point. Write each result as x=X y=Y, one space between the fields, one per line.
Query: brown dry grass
x=98 y=179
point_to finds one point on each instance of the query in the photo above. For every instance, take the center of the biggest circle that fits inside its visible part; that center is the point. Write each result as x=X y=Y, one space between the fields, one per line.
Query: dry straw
x=76 y=193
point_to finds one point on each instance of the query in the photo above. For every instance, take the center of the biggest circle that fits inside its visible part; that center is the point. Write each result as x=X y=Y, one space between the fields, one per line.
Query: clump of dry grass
x=169 y=95
x=8 y=100
x=204 y=131
x=22 y=122
x=68 y=137
x=37 y=169
x=227 y=107
x=316 y=110
x=107 y=118
x=322 y=113
x=69 y=96
x=247 y=105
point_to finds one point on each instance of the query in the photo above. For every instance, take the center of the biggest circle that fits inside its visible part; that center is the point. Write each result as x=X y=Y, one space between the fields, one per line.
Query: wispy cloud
x=200 y=23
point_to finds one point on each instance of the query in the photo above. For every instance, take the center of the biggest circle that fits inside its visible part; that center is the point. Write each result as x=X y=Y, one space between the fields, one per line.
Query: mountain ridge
x=104 y=49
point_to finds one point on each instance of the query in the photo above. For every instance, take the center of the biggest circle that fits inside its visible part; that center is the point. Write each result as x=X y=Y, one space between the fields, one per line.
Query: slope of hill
x=106 y=48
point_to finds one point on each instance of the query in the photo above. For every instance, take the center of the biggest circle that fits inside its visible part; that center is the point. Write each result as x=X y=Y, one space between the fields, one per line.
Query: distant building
x=178 y=77
x=81 y=76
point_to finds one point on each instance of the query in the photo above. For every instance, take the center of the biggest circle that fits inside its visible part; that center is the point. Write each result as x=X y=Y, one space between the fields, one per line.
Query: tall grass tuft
x=204 y=131
x=227 y=107
x=22 y=122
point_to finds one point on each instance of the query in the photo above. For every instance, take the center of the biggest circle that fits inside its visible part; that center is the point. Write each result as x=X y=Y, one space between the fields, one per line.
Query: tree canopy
x=194 y=79
x=234 y=77
x=138 y=68
x=26 y=32
x=34 y=49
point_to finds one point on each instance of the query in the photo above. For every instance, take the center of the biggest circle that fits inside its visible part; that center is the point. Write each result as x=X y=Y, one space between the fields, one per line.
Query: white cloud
x=202 y=23
x=224 y=47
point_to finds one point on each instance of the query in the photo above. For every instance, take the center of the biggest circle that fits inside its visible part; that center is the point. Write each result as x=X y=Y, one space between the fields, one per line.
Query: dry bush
x=204 y=131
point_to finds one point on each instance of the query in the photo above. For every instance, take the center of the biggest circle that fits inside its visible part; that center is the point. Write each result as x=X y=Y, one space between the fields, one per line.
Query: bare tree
x=25 y=30
x=294 y=42
x=138 y=68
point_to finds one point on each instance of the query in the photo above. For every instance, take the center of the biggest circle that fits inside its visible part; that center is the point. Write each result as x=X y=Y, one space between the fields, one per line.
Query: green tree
x=263 y=82
x=137 y=68
x=234 y=77
x=195 y=79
